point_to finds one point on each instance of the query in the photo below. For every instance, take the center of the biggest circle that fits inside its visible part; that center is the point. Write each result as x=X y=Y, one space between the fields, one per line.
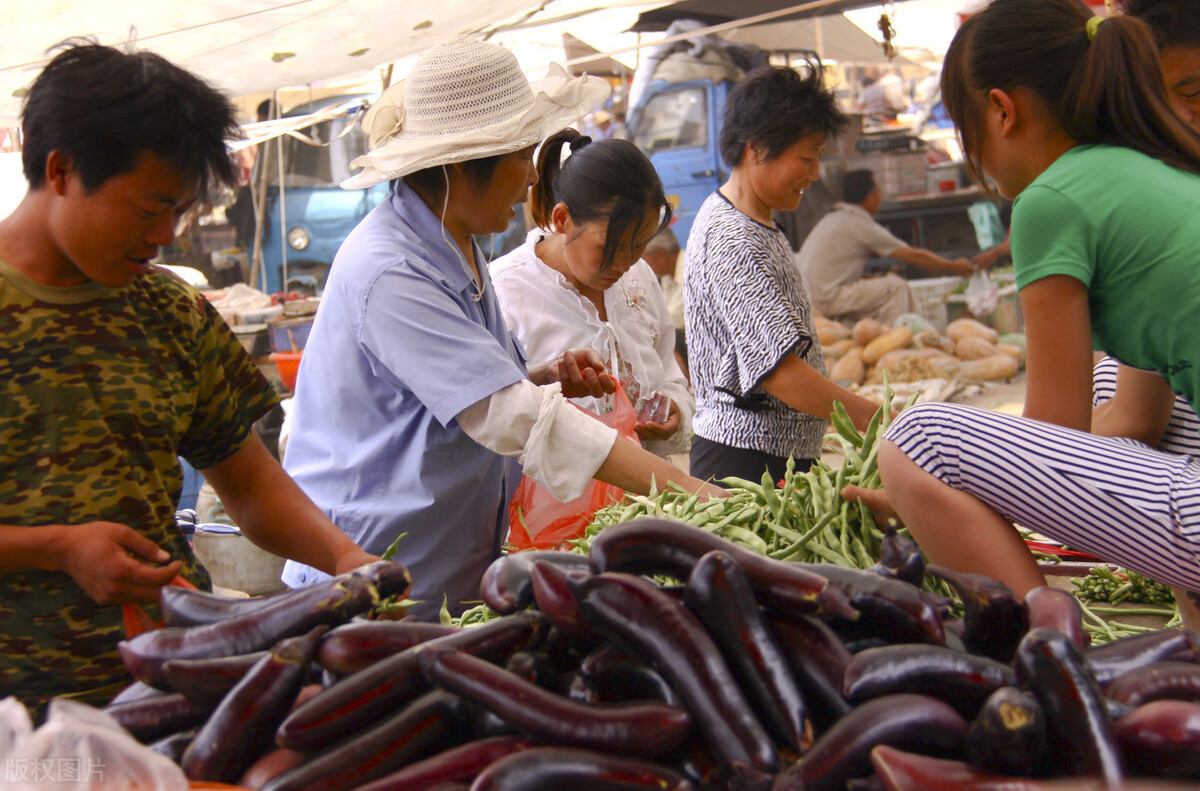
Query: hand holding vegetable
x=580 y=371
x=111 y=562
x=875 y=499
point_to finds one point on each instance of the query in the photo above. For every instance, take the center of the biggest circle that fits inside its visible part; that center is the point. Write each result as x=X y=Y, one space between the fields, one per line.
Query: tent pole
x=283 y=240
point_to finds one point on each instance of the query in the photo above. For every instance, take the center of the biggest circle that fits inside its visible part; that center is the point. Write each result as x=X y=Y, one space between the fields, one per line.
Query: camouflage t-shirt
x=100 y=390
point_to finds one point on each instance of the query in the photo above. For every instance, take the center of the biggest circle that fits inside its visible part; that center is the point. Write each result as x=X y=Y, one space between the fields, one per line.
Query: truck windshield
x=325 y=165
x=674 y=119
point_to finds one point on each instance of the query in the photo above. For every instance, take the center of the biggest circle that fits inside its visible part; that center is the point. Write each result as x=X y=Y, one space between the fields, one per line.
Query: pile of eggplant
x=751 y=673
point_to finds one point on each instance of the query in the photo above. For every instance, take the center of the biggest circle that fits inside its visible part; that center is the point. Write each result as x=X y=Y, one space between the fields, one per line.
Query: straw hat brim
x=559 y=101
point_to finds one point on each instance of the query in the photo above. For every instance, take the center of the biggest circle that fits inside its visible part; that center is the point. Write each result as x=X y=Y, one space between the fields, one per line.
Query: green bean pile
x=1104 y=584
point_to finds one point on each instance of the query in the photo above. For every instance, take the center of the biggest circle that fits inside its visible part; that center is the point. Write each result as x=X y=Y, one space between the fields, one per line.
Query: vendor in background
x=757 y=370
x=112 y=368
x=579 y=280
x=663 y=256
x=833 y=258
x=1176 y=28
x=1104 y=244
x=412 y=391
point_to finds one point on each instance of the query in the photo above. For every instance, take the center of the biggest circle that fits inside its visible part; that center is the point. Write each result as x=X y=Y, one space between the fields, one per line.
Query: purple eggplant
x=506 y=586
x=363 y=698
x=555 y=601
x=242 y=727
x=1159 y=681
x=901 y=555
x=1054 y=608
x=636 y=615
x=1008 y=736
x=426 y=726
x=644 y=728
x=818 y=659
x=963 y=681
x=150 y=719
x=908 y=722
x=1162 y=738
x=1080 y=734
x=888 y=608
x=354 y=646
x=457 y=765
x=994 y=619
x=330 y=602
x=205 y=682
x=663 y=546
x=1118 y=657
x=908 y=771
x=610 y=675
x=192 y=607
x=557 y=768
x=719 y=595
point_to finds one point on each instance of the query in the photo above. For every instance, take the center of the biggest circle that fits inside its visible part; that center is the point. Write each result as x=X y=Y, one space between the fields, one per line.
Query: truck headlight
x=298 y=238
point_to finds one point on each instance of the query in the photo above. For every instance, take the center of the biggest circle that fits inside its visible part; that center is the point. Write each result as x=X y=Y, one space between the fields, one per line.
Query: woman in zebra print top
x=762 y=394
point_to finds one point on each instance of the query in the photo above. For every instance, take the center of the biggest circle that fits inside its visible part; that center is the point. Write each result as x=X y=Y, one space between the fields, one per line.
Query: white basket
x=929 y=297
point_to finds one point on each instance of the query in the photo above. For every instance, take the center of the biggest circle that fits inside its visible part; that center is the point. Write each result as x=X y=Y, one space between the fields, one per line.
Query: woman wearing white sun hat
x=412 y=391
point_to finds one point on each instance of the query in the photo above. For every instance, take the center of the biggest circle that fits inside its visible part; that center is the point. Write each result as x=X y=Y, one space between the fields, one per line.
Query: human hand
x=580 y=371
x=876 y=500
x=114 y=564
x=989 y=257
x=653 y=431
x=962 y=266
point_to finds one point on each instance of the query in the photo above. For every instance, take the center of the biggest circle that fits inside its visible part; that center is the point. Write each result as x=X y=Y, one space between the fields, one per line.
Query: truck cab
x=316 y=213
x=677 y=127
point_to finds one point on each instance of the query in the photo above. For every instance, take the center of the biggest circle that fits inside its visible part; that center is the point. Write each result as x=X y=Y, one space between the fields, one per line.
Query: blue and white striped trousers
x=1118 y=499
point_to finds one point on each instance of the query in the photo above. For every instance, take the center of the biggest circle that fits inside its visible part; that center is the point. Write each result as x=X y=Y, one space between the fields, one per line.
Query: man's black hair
x=772 y=109
x=102 y=108
x=857 y=185
x=1175 y=23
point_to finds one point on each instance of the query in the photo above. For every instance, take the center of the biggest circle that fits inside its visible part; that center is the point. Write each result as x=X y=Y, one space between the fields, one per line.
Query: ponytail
x=549 y=162
x=1105 y=88
x=609 y=181
x=1116 y=96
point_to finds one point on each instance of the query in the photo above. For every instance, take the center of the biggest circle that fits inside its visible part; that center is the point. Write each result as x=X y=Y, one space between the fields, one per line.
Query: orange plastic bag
x=137 y=620
x=539 y=520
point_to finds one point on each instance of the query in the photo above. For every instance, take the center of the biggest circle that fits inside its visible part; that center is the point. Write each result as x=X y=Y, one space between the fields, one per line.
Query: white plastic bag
x=982 y=295
x=15 y=725
x=81 y=748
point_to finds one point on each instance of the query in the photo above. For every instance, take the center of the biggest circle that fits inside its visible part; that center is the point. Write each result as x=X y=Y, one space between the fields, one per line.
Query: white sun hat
x=467 y=99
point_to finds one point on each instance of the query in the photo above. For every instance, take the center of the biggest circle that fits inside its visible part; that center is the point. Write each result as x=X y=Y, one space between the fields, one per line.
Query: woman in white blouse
x=579 y=281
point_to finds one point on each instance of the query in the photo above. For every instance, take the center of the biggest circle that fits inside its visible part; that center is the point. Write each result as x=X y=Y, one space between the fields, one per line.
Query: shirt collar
x=854 y=208
x=435 y=249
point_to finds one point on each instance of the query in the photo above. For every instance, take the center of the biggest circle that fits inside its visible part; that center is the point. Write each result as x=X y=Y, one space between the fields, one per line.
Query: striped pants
x=1119 y=499
x=1182 y=434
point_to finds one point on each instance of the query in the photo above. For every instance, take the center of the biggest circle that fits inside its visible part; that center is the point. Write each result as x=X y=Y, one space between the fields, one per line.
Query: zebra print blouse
x=746 y=307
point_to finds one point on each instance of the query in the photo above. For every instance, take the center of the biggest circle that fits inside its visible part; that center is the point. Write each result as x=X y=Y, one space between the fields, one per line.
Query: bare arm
x=113 y=563
x=803 y=388
x=1058 y=358
x=276 y=515
x=1139 y=409
x=934 y=262
x=634 y=468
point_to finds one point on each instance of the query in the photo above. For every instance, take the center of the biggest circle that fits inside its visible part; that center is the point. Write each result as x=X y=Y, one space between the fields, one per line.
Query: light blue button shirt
x=398 y=348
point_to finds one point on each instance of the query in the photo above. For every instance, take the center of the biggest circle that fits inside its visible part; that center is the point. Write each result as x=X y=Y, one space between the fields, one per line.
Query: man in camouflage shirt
x=111 y=368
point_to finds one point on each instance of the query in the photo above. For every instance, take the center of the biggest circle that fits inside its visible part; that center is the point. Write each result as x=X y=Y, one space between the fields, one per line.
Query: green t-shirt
x=100 y=390
x=1128 y=226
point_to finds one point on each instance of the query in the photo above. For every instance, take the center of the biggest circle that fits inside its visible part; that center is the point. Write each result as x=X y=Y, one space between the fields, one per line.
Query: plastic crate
x=929 y=298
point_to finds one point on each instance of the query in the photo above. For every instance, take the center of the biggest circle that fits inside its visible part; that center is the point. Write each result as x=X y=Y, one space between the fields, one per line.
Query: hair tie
x=1092 y=24
x=579 y=143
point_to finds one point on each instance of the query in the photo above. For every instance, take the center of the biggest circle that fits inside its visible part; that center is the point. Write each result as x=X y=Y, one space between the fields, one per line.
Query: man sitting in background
x=662 y=254
x=834 y=258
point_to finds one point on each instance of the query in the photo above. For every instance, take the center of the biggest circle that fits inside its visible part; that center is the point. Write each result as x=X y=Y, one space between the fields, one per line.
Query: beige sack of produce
x=867 y=330
x=836 y=349
x=932 y=339
x=849 y=368
x=1013 y=351
x=962 y=328
x=899 y=338
x=989 y=369
x=913 y=365
x=974 y=348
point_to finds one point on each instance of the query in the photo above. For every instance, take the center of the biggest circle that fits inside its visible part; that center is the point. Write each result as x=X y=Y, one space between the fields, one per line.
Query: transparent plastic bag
x=80 y=748
x=982 y=295
x=15 y=725
x=539 y=520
